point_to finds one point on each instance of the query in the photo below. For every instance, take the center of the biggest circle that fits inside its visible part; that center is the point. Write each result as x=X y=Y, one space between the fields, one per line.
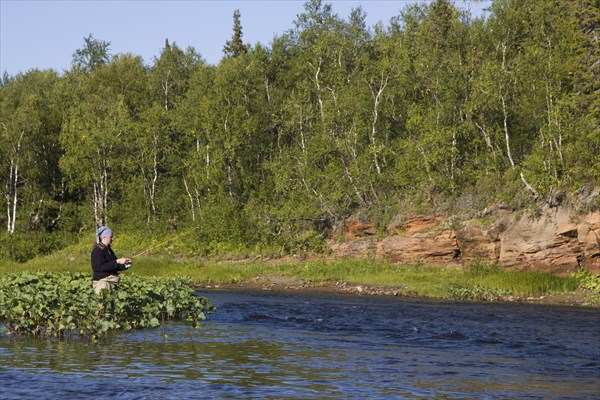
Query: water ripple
x=282 y=346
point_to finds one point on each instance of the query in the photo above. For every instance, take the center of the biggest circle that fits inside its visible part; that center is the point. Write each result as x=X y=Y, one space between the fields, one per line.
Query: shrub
x=477 y=293
x=589 y=283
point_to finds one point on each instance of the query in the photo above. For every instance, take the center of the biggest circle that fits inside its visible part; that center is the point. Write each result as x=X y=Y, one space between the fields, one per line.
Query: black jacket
x=104 y=262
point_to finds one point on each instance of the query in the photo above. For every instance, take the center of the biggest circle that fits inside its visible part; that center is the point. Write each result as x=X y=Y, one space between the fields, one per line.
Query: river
x=268 y=345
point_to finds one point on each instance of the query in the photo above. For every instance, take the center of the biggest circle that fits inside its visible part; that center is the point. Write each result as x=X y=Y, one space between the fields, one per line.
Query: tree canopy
x=274 y=146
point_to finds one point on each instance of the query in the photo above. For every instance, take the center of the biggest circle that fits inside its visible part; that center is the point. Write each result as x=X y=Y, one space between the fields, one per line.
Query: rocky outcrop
x=547 y=243
x=416 y=240
x=358 y=228
x=414 y=225
x=588 y=234
x=557 y=240
x=440 y=247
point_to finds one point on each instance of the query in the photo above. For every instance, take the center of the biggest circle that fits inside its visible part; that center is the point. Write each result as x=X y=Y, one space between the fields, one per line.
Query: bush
x=22 y=247
x=589 y=283
x=477 y=293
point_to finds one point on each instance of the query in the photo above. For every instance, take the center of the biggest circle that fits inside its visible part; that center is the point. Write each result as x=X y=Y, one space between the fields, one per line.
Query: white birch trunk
x=165 y=87
x=97 y=220
x=12 y=197
x=229 y=178
x=506 y=132
x=187 y=189
x=207 y=165
x=152 y=188
x=351 y=179
x=105 y=192
x=101 y=191
x=15 y=199
x=318 y=85
x=376 y=93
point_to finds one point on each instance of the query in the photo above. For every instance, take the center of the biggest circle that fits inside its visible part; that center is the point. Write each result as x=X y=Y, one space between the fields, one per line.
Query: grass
x=478 y=282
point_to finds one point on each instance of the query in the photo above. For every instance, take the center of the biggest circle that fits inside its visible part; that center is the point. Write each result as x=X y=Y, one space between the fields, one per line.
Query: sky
x=44 y=34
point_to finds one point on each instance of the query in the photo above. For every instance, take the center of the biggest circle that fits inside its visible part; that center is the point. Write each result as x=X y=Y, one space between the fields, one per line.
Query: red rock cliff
x=558 y=240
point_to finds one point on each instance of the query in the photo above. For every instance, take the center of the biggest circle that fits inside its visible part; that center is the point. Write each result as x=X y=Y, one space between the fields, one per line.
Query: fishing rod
x=162 y=243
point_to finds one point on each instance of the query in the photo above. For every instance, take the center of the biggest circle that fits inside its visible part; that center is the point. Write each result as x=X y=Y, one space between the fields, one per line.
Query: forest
x=271 y=149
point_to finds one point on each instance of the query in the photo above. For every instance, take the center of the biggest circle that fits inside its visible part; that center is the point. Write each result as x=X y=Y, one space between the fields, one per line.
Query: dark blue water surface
x=266 y=345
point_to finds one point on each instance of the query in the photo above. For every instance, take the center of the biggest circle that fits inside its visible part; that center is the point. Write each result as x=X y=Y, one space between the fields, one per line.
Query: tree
x=538 y=47
x=93 y=54
x=162 y=140
x=235 y=47
x=323 y=113
x=97 y=136
x=439 y=89
x=170 y=74
x=29 y=123
x=553 y=63
x=194 y=118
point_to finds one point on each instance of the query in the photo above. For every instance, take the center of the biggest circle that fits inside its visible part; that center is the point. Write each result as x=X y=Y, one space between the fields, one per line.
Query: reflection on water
x=269 y=345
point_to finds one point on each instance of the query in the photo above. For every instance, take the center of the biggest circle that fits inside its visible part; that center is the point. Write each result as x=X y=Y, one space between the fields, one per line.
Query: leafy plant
x=477 y=293
x=587 y=280
x=589 y=283
x=64 y=305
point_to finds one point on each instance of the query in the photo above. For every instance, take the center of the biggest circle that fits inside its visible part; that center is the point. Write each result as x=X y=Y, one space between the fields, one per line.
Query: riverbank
x=474 y=282
x=286 y=284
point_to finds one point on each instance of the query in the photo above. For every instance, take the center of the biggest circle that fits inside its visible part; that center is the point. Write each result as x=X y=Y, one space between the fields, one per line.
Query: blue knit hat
x=103 y=232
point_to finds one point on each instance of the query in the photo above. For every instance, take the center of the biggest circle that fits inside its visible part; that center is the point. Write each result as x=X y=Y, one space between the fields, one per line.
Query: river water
x=267 y=345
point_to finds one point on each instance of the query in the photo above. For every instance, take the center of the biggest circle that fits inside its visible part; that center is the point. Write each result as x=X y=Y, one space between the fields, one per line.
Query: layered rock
x=545 y=243
x=420 y=248
x=558 y=240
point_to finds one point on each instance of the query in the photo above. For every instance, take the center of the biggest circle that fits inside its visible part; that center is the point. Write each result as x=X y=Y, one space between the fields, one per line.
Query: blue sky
x=44 y=34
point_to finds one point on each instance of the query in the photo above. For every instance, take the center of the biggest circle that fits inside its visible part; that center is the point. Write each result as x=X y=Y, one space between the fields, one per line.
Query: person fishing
x=105 y=264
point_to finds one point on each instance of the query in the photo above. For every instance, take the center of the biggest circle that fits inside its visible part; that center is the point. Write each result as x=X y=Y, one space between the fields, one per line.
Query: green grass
x=477 y=282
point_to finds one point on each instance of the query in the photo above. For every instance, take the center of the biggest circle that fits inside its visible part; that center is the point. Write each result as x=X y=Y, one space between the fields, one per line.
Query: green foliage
x=64 y=305
x=587 y=280
x=235 y=47
x=21 y=247
x=479 y=268
x=479 y=282
x=92 y=55
x=488 y=281
x=17 y=247
x=589 y=283
x=477 y=293
x=271 y=148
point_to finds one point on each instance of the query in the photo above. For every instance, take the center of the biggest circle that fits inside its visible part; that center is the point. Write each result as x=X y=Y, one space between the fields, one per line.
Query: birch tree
x=195 y=117
x=28 y=132
x=170 y=74
x=548 y=64
x=438 y=89
x=98 y=135
x=92 y=139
